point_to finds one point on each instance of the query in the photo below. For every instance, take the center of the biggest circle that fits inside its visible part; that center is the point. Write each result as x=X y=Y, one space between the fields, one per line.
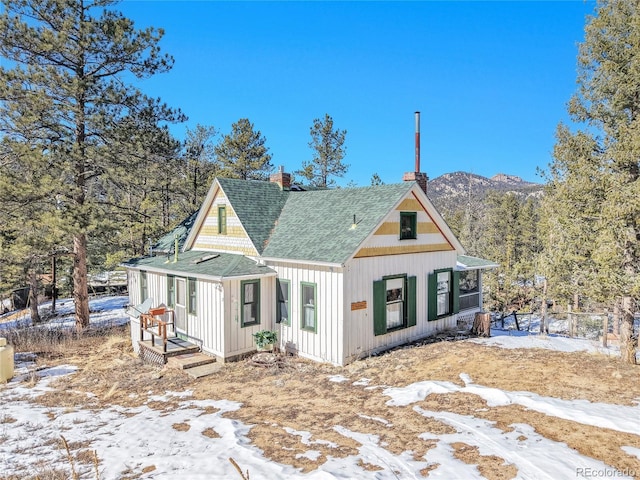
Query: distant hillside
x=450 y=191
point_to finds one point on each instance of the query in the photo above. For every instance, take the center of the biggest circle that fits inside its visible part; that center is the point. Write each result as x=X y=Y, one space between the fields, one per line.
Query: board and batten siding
x=325 y=344
x=360 y=273
x=205 y=328
x=157 y=288
x=238 y=340
x=234 y=240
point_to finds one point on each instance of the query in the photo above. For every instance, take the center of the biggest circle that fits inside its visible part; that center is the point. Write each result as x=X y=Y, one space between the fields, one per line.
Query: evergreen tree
x=243 y=154
x=510 y=239
x=138 y=189
x=603 y=160
x=64 y=91
x=376 y=180
x=570 y=215
x=328 y=148
x=201 y=163
x=30 y=231
x=595 y=173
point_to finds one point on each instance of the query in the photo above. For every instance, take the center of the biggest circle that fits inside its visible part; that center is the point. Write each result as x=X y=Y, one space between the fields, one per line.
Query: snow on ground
x=106 y=311
x=562 y=343
x=144 y=439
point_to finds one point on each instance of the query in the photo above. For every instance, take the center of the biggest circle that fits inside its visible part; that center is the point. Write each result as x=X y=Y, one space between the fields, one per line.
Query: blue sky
x=491 y=79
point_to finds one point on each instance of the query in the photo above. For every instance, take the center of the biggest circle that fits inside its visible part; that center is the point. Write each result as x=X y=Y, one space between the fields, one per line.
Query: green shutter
x=411 y=301
x=379 y=307
x=432 y=296
x=455 y=292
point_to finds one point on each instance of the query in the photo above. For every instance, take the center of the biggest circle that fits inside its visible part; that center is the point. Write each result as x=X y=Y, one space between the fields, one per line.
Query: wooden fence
x=602 y=326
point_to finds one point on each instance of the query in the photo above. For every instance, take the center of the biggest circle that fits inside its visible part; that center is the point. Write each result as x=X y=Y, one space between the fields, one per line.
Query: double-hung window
x=250 y=298
x=394 y=303
x=395 y=292
x=144 y=286
x=308 y=306
x=192 y=305
x=171 y=291
x=282 y=301
x=444 y=293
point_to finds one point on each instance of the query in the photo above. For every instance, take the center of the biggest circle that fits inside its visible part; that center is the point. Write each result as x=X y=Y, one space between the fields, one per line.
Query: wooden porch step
x=189 y=360
x=204 y=370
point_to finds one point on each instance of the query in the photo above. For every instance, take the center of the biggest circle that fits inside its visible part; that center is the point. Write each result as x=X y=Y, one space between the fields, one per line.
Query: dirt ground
x=297 y=395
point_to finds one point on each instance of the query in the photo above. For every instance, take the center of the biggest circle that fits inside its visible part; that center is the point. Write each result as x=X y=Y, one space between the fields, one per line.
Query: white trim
x=215 y=278
x=429 y=210
x=301 y=262
x=202 y=216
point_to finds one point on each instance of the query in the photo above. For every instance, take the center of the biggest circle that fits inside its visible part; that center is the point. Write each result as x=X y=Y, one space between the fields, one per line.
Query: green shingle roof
x=166 y=243
x=222 y=265
x=258 y=205
x=317 y=226
x=467 y=262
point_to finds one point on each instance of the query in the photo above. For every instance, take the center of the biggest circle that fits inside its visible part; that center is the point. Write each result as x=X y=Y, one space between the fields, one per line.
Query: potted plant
x=265 y=340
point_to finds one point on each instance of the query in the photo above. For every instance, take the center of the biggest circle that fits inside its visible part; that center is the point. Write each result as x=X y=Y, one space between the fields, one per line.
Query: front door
x=181 y=306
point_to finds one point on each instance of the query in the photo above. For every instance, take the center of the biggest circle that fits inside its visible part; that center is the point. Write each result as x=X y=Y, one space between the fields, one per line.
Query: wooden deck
x=153 y=350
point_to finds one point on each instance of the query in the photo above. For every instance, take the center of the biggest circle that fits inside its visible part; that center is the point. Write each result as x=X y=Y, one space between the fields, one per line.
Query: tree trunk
x=543 y=314
x=628 y=342
x=482 y=325
x=80 y=287
x=54 y=283
x=33 y=297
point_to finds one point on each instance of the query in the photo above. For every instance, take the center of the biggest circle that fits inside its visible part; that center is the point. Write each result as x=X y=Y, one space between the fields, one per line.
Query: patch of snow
x=338 y=378
x=362 y=381
x=416 y=392
x=604 y=415
x=376 y=419
x=632 y=451
x=534 y=455
x=523 y=339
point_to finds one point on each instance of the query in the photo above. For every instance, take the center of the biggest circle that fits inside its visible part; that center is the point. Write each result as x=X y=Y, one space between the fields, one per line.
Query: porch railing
x=154 y=325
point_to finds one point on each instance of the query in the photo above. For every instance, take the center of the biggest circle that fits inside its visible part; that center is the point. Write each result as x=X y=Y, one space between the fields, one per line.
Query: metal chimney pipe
x=417 y=142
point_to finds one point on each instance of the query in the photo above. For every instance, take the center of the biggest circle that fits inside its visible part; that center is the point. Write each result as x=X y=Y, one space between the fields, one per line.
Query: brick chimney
x=281 y=178
x=417 y=176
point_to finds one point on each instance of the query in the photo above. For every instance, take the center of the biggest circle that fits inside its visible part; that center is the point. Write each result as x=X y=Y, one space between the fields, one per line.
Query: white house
x=339 y=274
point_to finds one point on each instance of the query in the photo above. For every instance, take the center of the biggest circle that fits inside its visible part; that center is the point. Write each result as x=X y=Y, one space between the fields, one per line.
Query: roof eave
x=304 y=262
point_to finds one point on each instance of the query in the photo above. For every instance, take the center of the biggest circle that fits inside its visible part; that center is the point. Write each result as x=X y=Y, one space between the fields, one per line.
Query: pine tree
x=30 y=231
x=200 y=162
x=328 y=148
x=376 y=180
x=243 y=154
x=603 y=159
x=137 y=189
x=510 y=239
x=63 y=90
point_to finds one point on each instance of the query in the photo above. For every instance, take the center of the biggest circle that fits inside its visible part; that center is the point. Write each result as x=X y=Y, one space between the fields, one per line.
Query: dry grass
x=297 y=396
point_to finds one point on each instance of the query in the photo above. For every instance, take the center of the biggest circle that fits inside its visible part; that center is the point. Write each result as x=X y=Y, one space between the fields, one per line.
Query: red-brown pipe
x=417 y=142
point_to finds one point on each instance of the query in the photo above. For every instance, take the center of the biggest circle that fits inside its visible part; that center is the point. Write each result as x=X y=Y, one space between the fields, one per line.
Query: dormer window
x=408 y=225
x=222 y=220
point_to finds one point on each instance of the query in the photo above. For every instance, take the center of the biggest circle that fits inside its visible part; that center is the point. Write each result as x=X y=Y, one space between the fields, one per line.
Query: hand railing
x=150 y=321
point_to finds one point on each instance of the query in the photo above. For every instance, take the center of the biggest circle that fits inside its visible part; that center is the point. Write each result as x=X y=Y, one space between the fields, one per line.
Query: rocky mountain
x=450 y=191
